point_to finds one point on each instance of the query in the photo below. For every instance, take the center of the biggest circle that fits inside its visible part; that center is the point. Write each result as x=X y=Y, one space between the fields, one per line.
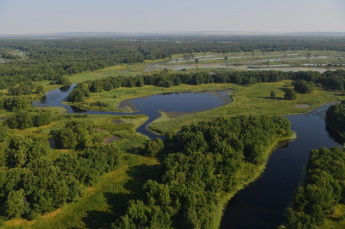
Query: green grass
x=251 y=100
x=336 y=220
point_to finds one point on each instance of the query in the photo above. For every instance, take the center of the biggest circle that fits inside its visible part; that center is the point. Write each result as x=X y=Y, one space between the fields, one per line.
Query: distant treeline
x=323 y=189
x=334 y=80
x=32 y=182
x=202 y=161
x=50 y=59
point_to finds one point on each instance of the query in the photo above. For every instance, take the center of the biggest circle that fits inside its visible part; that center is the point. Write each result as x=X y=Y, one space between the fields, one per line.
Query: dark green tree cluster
x=63 y=80
x=88 y=165
x=24 y=119
x=324 y=187
x=76 y=95
x=335 y=117
x=203 y=160
x=21 y=89
x=303 y=87
x=15 y=103
x=290 y=94
x=152 y=148
x=332 y=80
x=75 y=135
x=32 y=183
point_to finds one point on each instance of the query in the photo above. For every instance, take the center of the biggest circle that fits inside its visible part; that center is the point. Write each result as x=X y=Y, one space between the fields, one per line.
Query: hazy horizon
x=20 y=17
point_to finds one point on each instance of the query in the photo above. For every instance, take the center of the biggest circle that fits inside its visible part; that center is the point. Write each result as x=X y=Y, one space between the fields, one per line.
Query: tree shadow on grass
x=98 y=219
x=118 y=202
x=140 y=175
x=268 y=97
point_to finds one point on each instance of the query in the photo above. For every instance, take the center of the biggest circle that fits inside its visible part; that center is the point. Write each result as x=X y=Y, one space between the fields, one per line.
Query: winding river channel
x=179 y=103
x=262 y=203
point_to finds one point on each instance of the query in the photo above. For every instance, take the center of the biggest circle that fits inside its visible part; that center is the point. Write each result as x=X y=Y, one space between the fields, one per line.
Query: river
x=263 y=202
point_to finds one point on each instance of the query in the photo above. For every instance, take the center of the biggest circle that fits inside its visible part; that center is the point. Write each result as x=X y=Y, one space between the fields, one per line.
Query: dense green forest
x=32 y=182
x=50 y=59
x=201 y=162
x=323 y=189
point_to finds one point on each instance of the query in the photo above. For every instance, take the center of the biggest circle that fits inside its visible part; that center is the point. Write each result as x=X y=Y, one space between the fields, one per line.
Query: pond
x=262 y=203
x=179 y=103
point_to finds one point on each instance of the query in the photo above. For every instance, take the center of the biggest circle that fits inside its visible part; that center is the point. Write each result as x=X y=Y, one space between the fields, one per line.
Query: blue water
x=151 y=105
x=262 y=203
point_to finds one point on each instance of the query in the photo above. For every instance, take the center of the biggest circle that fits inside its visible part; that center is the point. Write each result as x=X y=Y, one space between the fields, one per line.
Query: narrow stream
x=262 y=203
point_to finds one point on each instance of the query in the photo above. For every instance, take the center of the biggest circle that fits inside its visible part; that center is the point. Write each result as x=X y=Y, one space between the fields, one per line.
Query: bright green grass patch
x=336 y=220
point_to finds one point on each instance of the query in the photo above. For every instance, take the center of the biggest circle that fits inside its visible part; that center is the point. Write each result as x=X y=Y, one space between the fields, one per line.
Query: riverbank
x=256 y=170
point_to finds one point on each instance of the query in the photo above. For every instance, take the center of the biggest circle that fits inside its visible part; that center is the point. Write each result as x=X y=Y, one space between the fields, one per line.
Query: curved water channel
x=262 y=203
x=179 y=103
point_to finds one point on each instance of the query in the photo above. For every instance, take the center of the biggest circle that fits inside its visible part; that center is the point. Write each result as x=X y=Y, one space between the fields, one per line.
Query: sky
x=137 y=16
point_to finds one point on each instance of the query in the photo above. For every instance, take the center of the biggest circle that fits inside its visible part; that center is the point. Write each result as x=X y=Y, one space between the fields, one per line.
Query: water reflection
x=262 y=203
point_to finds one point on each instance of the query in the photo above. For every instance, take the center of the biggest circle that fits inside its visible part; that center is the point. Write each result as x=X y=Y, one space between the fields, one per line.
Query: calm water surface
x=150 y=105
x=262 y=203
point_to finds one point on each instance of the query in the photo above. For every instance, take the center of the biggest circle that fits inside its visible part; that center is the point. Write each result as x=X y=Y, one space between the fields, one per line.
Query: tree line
x=51 y=59
x=201 y=162
x=304 y=82
x=323 y=188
